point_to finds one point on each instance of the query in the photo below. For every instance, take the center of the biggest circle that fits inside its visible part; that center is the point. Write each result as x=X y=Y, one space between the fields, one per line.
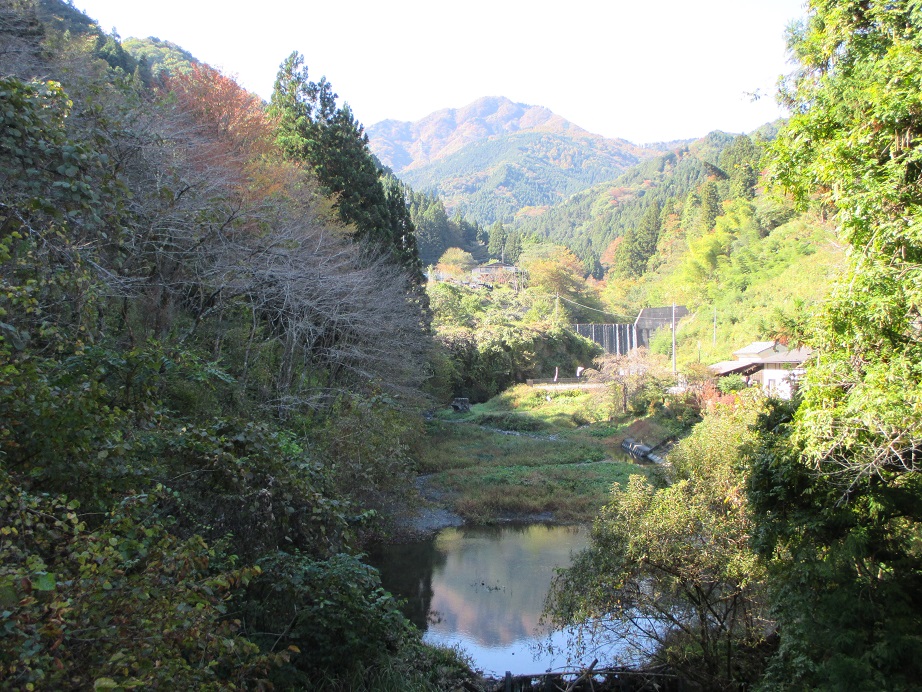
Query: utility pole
x=715 y=325
x=556 y=305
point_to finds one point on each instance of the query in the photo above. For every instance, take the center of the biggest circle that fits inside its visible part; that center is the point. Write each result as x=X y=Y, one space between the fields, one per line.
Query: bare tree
x=631 y=379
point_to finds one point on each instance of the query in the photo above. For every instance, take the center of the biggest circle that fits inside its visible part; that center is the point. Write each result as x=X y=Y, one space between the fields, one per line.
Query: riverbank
x=527 y=455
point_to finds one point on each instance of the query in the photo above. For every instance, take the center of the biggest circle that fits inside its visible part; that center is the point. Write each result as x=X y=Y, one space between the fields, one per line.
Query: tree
x=313 y=130
x=847 y=543
x=513 y=247
x=669 y=571
x=639 y=243
x=710 y=206
x=497 y=243
x=741 y=162
x=456 y=262
x=634 y=381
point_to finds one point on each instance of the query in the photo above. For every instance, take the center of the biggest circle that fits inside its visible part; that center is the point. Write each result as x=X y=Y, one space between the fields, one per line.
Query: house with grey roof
x=767 y=364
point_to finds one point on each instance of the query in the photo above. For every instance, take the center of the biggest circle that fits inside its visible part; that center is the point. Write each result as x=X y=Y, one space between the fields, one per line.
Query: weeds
x=520 y=455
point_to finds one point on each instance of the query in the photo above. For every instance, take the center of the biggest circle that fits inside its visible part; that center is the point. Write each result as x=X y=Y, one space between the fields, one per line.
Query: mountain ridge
x=405 y=145
x=492 y=157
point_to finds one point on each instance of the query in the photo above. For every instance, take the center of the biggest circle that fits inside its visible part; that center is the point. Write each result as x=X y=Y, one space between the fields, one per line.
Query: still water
x=483 y=589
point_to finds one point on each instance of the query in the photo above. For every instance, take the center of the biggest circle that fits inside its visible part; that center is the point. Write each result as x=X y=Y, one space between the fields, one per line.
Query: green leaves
x=328 y=139
x=44 y=582
x=838 y=495
x=669 y=568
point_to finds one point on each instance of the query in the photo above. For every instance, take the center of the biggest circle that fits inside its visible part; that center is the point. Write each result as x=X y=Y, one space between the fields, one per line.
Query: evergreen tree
x=403 y=233
x=690 y=211
x=434 y=232
x=743 y=181
x=497 y=241
x=332 y=143
x=513 y=247
x=710 y=206
x=639 y=243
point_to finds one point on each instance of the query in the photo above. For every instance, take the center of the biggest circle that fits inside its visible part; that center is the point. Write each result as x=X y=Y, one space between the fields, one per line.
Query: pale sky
x=644 y=70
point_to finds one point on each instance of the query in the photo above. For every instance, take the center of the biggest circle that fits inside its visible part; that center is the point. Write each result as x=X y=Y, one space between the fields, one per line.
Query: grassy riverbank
x=530 y=453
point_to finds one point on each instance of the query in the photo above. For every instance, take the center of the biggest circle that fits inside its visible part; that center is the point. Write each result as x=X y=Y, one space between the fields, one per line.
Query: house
x=758 y=350
x=496 y=273
x=768 y=364
x=781 y=371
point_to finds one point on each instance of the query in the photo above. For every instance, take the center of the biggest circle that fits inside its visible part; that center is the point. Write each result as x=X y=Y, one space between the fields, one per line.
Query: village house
x=767 y=364
x=496 y=273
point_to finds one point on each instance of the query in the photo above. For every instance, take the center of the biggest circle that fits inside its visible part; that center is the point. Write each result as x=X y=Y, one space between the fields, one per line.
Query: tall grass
x=528 y=453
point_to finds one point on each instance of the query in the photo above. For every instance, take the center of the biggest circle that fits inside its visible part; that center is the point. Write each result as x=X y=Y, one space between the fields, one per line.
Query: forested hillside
x=589 y=221
x=212 y=346
x=493 y=159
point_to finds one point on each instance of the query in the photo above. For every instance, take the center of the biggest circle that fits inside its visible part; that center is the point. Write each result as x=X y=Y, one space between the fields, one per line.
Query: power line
x=620 y=317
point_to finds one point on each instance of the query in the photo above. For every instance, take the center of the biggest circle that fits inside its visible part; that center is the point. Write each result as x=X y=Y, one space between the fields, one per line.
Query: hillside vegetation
x=493 y=158
x=210 y=370
x=783 y=554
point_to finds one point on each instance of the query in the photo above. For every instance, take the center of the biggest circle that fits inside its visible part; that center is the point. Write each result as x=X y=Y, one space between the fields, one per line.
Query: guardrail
x=559 y=380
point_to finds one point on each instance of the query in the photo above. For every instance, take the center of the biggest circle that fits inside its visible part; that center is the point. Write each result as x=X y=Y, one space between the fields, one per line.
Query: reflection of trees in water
x=495 y=579
x=406 y=571
x=487 y=582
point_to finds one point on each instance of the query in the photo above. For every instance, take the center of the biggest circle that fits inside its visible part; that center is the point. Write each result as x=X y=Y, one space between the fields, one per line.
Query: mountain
x=495 y=158
x=405 y=146
x=588 y=221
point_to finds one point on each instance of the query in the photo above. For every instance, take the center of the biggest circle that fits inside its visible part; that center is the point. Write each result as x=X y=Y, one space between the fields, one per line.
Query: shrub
x=731 y=383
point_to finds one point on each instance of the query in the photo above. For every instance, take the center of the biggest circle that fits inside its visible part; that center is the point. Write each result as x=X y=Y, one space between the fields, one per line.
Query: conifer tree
x=328 y=139
x=497 y=242
x=639 y=243
x=710 y=206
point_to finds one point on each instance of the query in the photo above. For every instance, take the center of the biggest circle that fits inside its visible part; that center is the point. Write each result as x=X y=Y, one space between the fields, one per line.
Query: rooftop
x=758 y=347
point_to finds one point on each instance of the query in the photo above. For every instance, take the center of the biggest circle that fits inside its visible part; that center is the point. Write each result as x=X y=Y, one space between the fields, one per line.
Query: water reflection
x=482 y=588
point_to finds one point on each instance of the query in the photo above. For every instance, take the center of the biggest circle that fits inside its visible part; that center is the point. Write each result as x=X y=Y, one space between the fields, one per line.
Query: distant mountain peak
x=494 y=157
x=408 y=145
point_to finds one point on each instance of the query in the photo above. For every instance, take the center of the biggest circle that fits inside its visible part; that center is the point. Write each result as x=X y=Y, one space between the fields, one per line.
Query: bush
x=333 y=615
x=515 y=422
x=731 y=383
x=125 y=604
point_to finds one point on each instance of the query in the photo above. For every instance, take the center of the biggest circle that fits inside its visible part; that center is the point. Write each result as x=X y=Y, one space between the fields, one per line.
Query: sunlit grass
x=571 y=492
x=463 y=445
x=560 y=458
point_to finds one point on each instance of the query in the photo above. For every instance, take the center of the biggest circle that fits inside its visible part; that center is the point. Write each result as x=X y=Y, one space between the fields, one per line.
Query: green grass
x=464 y=445
x=571 y=492
x=561 y=458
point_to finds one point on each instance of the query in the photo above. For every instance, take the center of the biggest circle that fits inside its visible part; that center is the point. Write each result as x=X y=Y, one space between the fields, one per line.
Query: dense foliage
x=841 y=499
x=589 y=221
x=193 y=347
x=669 y=571
x=490 y=340
x=435 y=232
x=828 y=484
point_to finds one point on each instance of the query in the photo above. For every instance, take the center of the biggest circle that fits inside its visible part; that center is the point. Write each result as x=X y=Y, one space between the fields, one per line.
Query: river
x=483 y=588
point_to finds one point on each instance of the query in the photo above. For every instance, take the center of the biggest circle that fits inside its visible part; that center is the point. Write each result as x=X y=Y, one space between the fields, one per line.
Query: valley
x=246 y=340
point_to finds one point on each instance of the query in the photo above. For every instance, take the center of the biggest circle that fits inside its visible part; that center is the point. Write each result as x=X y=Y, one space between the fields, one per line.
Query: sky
x=645 y=70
